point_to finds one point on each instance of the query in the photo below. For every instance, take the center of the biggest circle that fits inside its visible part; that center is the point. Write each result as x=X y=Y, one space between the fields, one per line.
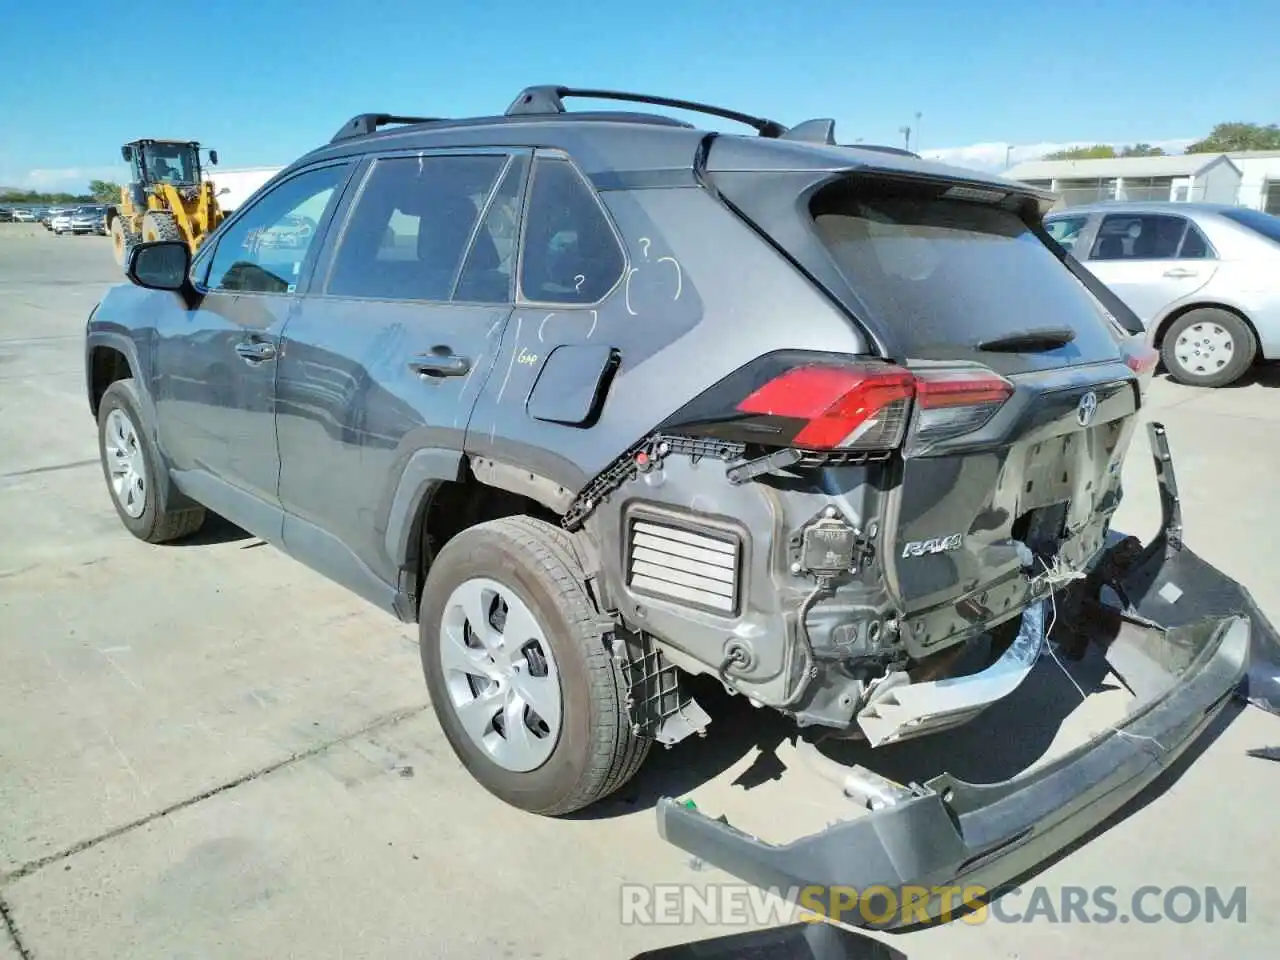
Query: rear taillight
x=951 y=403
x=810 y=402
x=1141 y=358
x=843 y=407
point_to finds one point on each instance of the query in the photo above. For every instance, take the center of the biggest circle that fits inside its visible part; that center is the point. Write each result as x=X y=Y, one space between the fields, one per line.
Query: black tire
x=596 y=752
x=160 y=226
x=1212 y=370
x=166 y=514
x=123 y=239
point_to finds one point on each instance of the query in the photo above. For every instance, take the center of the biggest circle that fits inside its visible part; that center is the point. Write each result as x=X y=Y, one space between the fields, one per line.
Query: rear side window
x=1149 y=236
x=571 y=254
x=948 y=274
x=411 y=227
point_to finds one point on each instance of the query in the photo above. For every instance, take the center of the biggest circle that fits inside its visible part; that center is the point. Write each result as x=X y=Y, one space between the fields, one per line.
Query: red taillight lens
x=1141 y=359
x=951 y=403
x=853 y=407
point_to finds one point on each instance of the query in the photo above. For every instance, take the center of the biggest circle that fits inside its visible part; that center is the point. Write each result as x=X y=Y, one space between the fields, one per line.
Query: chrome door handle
x=440 y=365
x=255 y=351
x=1180 y=272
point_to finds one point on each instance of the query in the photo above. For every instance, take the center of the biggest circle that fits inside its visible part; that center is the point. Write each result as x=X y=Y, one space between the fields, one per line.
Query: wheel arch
x=108 y=359
x=442 y=492
x=1174 y=315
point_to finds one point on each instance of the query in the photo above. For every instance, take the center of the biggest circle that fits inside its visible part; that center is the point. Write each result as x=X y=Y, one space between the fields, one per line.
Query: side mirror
x=213 y=158
x=159 y=265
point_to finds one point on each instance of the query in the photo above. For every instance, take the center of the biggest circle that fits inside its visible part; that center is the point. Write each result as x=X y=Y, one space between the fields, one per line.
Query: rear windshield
x=947 y=274
x=1257 y=221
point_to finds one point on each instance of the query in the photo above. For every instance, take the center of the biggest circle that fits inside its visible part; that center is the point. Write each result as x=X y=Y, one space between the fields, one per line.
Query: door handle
x=1178 y=273
x=441 y=365
x=255 y=351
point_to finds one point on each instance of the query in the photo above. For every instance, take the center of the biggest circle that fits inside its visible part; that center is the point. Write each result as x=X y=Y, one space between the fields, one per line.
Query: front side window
x=571 y=254
x=411 y=227
x=1148 y=236
x=1066 y=230
x=264 y=249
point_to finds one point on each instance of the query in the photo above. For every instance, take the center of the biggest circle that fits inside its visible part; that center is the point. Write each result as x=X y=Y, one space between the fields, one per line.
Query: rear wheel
x=1208 y=348
x=159 y=226
x=123 y=237
x=519 y=670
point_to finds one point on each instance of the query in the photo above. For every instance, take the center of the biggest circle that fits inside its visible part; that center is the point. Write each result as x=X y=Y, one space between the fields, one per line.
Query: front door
x=388 y=352
x=1150 y=260
x=217 y=361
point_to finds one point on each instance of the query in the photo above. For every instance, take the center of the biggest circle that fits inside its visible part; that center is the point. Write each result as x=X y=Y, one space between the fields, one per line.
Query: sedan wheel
x=501 y=675
x=1209 y=347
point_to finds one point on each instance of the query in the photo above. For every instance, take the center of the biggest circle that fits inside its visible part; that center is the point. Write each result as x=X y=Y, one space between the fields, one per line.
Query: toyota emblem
x=1087 y=408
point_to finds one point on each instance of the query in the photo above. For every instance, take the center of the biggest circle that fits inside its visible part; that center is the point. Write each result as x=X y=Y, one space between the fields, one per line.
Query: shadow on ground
x=1024 y=724
x=217 y=529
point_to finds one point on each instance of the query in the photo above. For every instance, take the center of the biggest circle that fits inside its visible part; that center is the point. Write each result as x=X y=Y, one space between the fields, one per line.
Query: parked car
x=24 y=216
x=87 y=220
x=60 y=222
x=51 y=214
x=604 y=400
x=6 y=215
x=1201 y=277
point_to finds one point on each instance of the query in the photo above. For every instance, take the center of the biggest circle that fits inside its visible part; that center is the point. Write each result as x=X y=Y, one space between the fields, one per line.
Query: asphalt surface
x=207 y=750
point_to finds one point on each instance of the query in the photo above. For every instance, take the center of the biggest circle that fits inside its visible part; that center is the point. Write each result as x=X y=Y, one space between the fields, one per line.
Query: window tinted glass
x=1145 y=236
x=1066 y=230
x=948 y=274
x=409 y=229
x=486 y=276
x=263 y=251
x=570 y=252
x=1257 y=221
x=1194 y=245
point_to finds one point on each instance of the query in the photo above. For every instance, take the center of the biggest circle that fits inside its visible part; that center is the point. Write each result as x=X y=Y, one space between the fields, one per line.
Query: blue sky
x=280 y=77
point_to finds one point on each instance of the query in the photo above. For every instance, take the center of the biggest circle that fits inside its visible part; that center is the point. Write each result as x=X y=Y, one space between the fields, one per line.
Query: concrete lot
x=206 y=750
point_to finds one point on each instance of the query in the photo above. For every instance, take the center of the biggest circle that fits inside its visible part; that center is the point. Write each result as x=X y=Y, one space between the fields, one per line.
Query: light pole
x=1008 y=152
x=906 y=136
x=918 y=116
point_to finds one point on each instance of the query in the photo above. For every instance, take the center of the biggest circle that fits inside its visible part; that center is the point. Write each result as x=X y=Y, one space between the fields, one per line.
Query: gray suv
x=604 y=401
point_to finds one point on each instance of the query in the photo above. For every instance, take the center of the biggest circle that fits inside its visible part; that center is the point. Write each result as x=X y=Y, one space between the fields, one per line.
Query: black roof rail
x=550 y=99
x=813 y=131
x=363 y=124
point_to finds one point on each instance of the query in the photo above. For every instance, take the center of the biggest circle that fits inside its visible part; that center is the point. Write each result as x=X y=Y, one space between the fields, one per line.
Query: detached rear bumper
x=951 y=834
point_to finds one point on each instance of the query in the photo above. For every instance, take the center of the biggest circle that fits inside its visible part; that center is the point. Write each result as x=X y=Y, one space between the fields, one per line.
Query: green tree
x=1142 y=150
x=104 y=190
x=1099 y=151
x=1229 y=137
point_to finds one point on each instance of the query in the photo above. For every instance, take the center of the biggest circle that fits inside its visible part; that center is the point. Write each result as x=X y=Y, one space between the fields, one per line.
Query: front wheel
x=133 y=471
x=520 y=672
x=1209 y=347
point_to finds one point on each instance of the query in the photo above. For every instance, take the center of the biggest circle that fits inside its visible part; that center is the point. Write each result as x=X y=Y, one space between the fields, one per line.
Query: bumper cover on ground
x=1182 y=670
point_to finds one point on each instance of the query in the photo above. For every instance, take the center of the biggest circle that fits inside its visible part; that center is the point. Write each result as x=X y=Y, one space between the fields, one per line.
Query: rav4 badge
x=919 y=548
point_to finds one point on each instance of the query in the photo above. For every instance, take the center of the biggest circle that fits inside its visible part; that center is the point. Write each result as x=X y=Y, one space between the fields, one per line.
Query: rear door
x=386 y=355
x=1150 y=260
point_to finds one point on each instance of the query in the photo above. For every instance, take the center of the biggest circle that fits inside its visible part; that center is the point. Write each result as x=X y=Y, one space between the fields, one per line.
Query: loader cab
x=165 y=161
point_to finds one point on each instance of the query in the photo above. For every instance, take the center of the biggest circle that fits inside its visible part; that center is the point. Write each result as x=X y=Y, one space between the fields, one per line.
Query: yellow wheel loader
x=167 y=198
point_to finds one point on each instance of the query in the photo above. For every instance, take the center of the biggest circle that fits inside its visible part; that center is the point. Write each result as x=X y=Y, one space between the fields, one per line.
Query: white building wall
x=1255 y=173
x=1218 y=183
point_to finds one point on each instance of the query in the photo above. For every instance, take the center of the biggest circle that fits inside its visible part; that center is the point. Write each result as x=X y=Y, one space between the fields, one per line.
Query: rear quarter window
x=948 y=274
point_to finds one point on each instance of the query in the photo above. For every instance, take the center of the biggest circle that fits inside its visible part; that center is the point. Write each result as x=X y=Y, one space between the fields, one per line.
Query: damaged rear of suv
x=605 y=400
